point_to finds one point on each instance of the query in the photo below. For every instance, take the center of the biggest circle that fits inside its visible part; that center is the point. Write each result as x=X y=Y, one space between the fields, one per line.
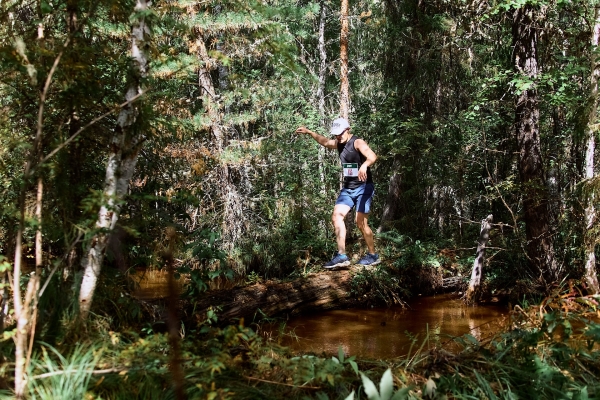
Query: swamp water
x=384 y=333
x=376 y=333
x=154 y=284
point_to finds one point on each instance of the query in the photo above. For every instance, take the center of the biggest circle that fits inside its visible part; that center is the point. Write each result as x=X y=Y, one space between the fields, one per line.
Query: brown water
x=384 y=333
x=154 y=284
x=378 y=333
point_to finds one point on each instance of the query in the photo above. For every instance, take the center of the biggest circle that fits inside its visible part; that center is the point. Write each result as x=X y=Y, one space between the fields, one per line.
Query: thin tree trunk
x=321 y=88
x=173 y=321
x=38 y=265
x=390 y=210
x=24 y=309
x=209 y=95
x=540 y=248
x=20 y=315
x=591 y=278
x=555 y=147
x=477 y=272
x=345 y=99
x=344 y=90
x=125 y=147
x=322 y=59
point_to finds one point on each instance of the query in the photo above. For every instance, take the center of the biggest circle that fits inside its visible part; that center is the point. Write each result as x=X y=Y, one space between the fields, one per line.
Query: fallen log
x=452 y=282
x=315 y=292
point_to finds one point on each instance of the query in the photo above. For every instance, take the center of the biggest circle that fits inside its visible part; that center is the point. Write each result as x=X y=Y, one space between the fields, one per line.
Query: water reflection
x=154 y=284
x=384 y=333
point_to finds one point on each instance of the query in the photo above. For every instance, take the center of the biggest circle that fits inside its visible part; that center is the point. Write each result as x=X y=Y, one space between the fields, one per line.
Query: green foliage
x=420 y=265
x=433 y=88
x=203 y=262
x=386 y=388
x=548 y=354
x=378 y=286
x=53 y=375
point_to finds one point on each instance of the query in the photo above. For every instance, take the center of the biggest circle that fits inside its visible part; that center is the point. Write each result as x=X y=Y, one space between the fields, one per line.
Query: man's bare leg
x=339 y=213
x=367 y=233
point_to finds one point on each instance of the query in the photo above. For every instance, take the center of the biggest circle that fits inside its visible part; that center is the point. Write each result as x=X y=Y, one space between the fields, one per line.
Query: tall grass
x=55 y=376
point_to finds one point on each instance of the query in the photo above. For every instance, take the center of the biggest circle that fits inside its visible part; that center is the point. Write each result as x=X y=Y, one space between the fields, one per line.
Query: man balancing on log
x=356 y=158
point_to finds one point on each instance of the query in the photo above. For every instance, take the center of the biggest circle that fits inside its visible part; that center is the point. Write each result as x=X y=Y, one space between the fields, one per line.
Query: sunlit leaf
x=386 y=386
x=369 y=387
x=430 y=388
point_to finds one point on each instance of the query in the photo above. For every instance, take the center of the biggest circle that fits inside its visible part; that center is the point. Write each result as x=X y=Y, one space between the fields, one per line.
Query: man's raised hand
x=302 y=130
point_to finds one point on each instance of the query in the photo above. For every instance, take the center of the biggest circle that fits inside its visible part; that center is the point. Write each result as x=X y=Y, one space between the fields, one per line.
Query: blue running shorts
x=360 y=197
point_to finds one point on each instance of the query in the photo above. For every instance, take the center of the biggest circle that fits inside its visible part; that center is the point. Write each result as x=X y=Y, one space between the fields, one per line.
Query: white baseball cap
x=339 y=126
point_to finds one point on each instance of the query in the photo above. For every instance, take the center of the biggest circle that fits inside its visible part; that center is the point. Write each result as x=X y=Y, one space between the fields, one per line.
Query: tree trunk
x=208 y=94
x=390 y=210
x=173 y=322
x=321 y=89
x=344 y=89
x=125 y=147
x=540 y=248
x=591 y=278
x=322 y=59
x=233 y=222
x=477 y=273
x=25 y=308
x=345 y=101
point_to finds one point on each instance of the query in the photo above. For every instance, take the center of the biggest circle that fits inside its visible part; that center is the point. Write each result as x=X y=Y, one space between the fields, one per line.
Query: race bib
x=350 y=170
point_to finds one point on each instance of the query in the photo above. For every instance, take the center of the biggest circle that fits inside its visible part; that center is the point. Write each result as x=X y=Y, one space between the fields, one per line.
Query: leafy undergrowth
x=550 y=350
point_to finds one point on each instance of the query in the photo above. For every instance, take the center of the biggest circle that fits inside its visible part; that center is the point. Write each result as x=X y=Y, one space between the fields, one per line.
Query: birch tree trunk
x=540 y=248
x=124 y=150
x=591 y=278
x=477 y=272
x=25 y=308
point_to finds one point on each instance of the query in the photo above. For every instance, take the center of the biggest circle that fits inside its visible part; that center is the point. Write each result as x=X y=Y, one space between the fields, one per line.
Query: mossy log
x=315 y=292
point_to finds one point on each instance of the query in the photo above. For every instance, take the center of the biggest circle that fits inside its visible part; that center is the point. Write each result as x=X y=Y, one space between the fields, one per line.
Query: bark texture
x=477 y=272
x=322 y=59
x=25 y=310
x=320 y=291
x=320 y=95
x=540 y=248
x=345 y=86
x=392 y=202
x=591 y=278
x=125 y=146
x=234 y=220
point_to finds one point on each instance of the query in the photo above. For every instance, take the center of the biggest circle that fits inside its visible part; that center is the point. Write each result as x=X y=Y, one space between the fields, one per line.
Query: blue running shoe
x=370 y=259
x=340 y=260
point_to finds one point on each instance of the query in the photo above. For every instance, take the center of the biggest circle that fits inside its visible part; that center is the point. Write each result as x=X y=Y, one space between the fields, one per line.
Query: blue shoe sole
x=373 y=263
x=342 y=264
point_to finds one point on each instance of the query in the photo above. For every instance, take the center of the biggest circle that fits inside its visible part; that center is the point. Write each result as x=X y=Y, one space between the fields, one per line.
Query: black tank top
x=352 y=160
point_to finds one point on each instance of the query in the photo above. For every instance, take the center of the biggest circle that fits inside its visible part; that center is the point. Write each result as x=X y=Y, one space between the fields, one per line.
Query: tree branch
x=95 y=120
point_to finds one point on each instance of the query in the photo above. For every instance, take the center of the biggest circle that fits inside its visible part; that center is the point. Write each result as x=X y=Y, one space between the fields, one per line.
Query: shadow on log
x=316 y=292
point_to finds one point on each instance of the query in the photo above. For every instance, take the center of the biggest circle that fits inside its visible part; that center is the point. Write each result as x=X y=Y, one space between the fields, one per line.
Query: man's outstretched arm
x=322 y=140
